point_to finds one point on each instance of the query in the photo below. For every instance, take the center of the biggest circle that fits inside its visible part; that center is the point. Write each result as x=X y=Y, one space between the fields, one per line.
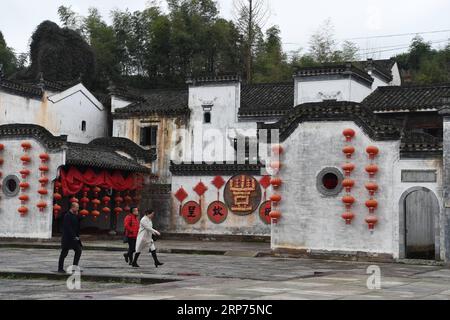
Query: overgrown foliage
x=8 y=61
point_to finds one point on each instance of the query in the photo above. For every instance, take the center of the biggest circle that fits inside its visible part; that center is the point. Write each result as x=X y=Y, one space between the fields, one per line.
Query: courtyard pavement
x=29 y=273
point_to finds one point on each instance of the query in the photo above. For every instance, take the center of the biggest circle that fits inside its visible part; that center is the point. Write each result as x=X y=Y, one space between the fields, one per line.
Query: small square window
x=149 y=136
x=83 y=126
x=207 y=117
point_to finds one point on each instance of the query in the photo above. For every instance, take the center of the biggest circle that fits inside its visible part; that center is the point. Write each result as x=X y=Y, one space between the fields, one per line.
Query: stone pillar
x=445 y=221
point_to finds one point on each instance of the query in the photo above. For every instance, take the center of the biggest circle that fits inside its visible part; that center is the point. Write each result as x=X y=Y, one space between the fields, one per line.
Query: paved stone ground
x=203 y=277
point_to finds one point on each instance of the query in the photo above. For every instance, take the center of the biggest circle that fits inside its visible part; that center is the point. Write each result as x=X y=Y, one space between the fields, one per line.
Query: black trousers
x=65 y=251
x=131 y=247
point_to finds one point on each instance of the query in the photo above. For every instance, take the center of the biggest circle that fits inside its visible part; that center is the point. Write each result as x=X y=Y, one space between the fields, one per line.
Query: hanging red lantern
x=372 y=187
x=84 y=202
x=372 y=151
x=96 y=191
x=84 y=213
x=348 y=168
x=349 y=134
x=276 y=182
x=74 y=199
x=348 y=201
x=118 y=199
x=95 y=214
x=2 y=147
x=44 y=181
x=24 y=198
x=348 y=217
x=348 y=184
x=43 y=168
x=106 y=200
x=349 y=151
x=106 y=210
x=372 y=204
x=96 y=203
x=118 y=210
x=43 y=191
x=277 y=149
x=2 y=161
x=276 y=198
x=25 y=173
x=42 y=205
x=127 y=209
x=56 y=210
x=44 y=157
x=372 y=221
x=372 y=170
x=23 y=211
x=275 y=216
x=26 y=145
x=24 y=185
x=57 y=196
x=276 y=165
x=25 y=159
x=128 y=199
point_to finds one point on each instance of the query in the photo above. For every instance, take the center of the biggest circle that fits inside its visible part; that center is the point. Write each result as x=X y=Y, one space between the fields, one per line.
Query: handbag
x=155 y=237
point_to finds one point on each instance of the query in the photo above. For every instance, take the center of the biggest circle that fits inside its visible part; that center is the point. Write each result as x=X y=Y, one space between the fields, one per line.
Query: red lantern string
x=372 y=187
x=348 y=183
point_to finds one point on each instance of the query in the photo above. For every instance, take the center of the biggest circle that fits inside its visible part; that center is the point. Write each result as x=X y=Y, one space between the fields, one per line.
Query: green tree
x=8 y=60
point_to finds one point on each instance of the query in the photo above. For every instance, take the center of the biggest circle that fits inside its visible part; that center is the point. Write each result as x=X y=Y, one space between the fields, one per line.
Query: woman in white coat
x=145 y=239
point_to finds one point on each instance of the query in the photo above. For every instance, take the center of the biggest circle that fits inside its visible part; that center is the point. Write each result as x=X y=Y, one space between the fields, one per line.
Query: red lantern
x=2 y=161
x=275 y=215
x=349 y=134
x=42 y=205
x=372 y=170
x=43 y=168
x=106 y=200
x=56 y=210
x=277 y=149
x=24 y=198
x=43 y=181
x=372 y=187
x=372 y=220
x=84 y=213
x=74 y=199
x=348 y=184
x=372 y=205
x=57 y=196
x=348 y=168
x=96 y=191
x=95 y=214
x=43 y=191
x=96 y=203
x=128 y=199
x=348 y=201
x=372 y=151
x=276 y=183
x=276 y=165
x=58 y=184
x=44 y=157
x=118 y=210
x=118 y=200
x=24 y=185
x=26 y=145
x=127 y=209
x=349 y=151
x=23 y=211
x=2 y=147
x=106 y=210
x=84 y=201
x=348 y=217
x=25 y=159
x=25 y=173
x=275 y=198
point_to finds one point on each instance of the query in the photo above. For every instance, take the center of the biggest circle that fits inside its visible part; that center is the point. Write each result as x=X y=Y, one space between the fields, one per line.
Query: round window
x=329 y=182
x=11 y=186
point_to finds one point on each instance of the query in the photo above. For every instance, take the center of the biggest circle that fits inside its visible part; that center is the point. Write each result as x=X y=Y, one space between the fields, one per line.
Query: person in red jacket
x=131 y=225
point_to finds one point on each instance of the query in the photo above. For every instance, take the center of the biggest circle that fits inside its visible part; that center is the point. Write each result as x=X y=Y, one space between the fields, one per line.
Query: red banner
x=74 y=180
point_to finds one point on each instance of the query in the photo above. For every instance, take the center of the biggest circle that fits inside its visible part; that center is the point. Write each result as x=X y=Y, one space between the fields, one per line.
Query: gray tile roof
x=127 y=146
x=407 y=98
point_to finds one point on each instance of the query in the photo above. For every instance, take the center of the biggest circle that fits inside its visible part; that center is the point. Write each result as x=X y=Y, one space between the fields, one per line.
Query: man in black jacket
x=71 y=237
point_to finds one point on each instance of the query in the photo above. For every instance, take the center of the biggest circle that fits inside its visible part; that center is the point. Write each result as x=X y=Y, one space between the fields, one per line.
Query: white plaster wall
x=36 y=224
x=313 y=221
x=344 y=89
x=402 y=187
x=117 y=103
x=236 y=225
x=378 y=82
x=397 y=79
x=61 y=114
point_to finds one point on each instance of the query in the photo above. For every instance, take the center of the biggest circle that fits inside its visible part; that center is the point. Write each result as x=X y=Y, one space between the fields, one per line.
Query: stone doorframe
x=402 y=223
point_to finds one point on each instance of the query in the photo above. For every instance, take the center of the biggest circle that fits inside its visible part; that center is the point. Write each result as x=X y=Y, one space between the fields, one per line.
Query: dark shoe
x=155 y=258
x=136 y=257
x=62 y=271
x=125 y=255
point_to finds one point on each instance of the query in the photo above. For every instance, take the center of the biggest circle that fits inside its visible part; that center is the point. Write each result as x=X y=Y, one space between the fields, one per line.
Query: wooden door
x=421 y=207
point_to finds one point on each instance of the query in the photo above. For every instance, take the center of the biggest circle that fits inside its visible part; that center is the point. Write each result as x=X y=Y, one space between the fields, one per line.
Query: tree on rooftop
x=8 y=61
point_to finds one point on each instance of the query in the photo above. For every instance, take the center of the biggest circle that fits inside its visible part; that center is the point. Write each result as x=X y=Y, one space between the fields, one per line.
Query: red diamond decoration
x=265 y=182
x=200 y=189
x=181 y=194
x=218 y=182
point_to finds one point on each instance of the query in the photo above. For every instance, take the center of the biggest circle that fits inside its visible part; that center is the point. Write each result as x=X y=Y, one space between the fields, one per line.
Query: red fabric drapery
x=74 y=180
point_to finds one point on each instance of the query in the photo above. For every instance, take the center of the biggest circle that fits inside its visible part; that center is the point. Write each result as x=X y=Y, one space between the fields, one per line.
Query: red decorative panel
x=181 y=194
x=217 y=212
x=191 y=212
x=200 y=189
x=265 y=182
x=218 y=182
x=264 y=212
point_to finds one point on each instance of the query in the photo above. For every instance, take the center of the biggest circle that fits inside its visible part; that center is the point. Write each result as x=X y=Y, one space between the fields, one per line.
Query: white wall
x=236 y=225
x=397 y=79
x=313 y=221
x=36 y=224
x=61 y=114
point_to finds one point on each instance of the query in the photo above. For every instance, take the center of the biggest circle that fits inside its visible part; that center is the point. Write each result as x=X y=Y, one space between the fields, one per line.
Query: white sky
x=297 y=19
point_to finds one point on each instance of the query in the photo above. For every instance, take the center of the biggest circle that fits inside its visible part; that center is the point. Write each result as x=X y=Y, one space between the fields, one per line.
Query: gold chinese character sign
x=242 y=195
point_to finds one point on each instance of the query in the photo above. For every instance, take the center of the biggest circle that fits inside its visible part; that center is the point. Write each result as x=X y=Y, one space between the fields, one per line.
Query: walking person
x=145 y=239
x=131 y=225
x=71 y=237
